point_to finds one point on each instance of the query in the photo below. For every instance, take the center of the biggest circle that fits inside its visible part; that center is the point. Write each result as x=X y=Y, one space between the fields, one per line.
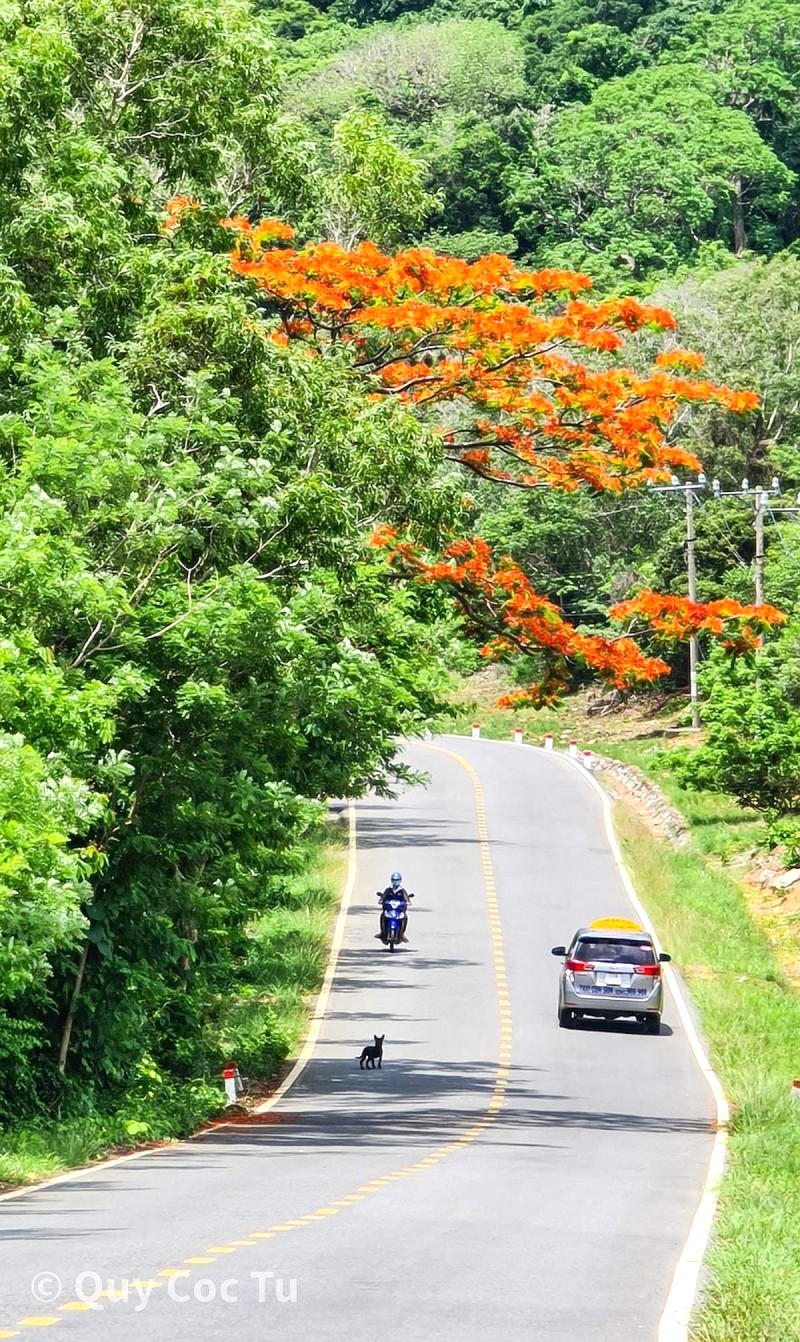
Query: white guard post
x=573 y=749
x=476 y=730
x=548 y=741
x=229 y=1077
x=588 y=759
x=517 y=736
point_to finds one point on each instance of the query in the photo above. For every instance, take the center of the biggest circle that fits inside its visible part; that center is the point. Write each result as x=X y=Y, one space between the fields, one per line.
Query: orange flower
x=496 y=598
x=175 y=209
x=501 y=353
x=673 y=619
x=434 y=329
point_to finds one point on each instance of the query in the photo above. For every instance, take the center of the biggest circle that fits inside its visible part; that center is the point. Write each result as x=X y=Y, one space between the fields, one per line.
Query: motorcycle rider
x=395 y=890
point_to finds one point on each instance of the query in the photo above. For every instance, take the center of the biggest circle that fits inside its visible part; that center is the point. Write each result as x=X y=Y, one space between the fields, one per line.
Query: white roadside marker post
x=588 y=759
x=229 y=1077
x=476 y=730
x=548 y=741
x=573 y=749
x=517 y=736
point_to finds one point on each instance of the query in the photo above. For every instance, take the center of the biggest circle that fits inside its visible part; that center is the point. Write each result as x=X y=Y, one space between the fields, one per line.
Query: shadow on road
x=380 y=826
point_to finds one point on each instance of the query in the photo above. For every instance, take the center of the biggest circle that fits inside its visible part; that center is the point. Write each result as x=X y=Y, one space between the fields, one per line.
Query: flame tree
x=521 y=374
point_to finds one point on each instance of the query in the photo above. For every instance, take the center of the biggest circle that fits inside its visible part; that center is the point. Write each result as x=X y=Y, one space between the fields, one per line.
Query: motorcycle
x=394 y=910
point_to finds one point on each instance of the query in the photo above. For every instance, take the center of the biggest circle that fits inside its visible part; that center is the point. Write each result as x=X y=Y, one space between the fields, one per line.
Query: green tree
x=373 y=188
x=746 y=318
x=571 y=47
x=633 y=182
x=106 y=111
x=200 y=647
x=752 y=739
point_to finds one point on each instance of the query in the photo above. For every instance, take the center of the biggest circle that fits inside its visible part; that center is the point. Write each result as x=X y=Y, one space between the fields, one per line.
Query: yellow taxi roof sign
x=621 y=924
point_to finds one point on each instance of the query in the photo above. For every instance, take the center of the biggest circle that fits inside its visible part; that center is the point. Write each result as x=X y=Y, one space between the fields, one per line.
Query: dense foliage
x=630 y=138
x=195 y=646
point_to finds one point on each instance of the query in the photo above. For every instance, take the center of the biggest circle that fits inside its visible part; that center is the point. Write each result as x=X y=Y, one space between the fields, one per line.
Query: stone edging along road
x=664 y=818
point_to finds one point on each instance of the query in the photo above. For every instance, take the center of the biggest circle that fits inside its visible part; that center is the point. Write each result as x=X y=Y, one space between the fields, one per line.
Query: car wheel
x=653 y=1024
x=565 y=1019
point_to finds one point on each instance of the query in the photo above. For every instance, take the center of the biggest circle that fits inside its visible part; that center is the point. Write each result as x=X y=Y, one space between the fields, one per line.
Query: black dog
x=370 y=1052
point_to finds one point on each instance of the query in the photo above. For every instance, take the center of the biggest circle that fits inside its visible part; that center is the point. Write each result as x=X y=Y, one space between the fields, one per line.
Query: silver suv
x=611 y=969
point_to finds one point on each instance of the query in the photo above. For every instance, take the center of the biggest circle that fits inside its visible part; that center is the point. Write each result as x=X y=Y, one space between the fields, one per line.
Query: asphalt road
x=559 y=1215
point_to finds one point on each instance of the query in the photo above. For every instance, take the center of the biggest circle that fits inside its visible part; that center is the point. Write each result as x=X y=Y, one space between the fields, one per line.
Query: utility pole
x=762 y=501
x=759 y=559
x=691 y=538
x=688 y=491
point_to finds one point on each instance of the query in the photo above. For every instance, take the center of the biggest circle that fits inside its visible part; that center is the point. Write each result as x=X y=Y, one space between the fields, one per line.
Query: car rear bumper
x=612 y=1004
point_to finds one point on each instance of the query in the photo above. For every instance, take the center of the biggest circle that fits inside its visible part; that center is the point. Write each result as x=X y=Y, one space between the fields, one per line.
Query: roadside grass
x=288 y=955
x=261 y=1027
x=751 y=1019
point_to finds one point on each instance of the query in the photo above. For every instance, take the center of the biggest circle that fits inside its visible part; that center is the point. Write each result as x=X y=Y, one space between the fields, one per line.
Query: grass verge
x=751 y=1021
x=261 y=1027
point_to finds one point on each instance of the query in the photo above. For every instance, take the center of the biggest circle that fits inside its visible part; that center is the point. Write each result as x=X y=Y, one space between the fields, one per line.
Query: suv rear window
x=608 y=951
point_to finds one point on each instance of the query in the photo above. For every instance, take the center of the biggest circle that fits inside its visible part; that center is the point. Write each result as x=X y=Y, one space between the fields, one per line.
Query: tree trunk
x=73 y=1006
x=739 y=232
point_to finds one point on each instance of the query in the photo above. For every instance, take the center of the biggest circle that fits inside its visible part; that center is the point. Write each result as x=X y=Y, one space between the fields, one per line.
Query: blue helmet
x=396 y=878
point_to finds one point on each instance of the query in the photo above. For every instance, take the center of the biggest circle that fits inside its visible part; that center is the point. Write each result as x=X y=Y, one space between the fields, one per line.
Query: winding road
x=498 y=1179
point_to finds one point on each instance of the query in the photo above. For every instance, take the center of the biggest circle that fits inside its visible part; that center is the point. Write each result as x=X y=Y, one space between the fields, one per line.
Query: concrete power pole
x=692 y=574
x=759 y=564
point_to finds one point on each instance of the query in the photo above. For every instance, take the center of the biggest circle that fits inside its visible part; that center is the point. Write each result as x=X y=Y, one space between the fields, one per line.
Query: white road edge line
x=302 y=1060
x=323 y=997
x=676 y=1316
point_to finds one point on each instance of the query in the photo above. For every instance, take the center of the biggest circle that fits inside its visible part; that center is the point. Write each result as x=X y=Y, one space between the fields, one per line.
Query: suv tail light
x=650 y=971
x=580 y=966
